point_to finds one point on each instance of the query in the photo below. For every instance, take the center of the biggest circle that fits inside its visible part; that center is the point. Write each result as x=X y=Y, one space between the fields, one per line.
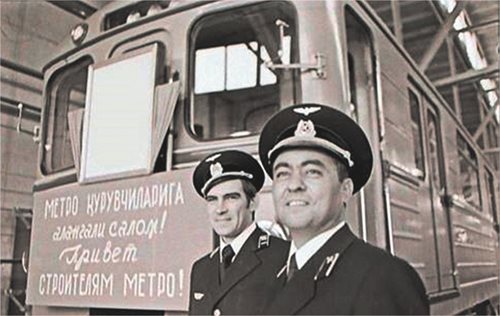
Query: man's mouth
x=297 y=203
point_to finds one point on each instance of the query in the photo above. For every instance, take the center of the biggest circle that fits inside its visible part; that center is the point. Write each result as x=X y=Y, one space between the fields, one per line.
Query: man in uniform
x=238 y=277
x=318 y=158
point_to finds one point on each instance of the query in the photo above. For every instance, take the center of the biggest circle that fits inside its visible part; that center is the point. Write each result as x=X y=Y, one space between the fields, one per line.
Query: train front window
x=66 y=95
x=233 y=92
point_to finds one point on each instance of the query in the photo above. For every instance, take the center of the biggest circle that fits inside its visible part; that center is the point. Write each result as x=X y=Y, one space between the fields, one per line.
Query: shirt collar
x=238 y=242
x=304 y=253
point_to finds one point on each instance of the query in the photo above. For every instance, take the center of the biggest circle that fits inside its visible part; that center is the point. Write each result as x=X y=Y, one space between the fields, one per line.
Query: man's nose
x=296 y=182
x=221 y=207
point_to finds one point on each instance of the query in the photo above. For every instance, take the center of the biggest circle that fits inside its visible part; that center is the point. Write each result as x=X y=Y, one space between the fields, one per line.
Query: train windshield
x=67 y=91
x=233 y=93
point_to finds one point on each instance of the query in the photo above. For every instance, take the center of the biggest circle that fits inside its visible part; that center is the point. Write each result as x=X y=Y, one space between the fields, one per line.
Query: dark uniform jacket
x=249 y=282
x=348 y=276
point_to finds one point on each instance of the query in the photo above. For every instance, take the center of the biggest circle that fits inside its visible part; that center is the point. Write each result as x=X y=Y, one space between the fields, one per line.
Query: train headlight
x=79 y=32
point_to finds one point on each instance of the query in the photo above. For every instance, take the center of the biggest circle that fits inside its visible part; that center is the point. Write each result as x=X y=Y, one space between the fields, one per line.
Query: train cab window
x=469 y=175
x=233 y=92
x=66 y=94
x=416 y=127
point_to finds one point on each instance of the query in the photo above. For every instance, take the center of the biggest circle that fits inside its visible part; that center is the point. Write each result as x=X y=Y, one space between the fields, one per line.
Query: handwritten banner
x=123 y=244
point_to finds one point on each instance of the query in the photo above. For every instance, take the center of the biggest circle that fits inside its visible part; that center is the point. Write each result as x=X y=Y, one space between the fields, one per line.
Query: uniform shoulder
x=382 y=259
x=205 y=259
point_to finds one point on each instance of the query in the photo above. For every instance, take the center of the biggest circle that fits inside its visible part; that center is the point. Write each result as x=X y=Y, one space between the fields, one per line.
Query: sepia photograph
x=250 y=157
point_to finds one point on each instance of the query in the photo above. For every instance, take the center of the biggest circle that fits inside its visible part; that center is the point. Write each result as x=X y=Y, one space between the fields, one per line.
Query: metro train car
x=140 y=92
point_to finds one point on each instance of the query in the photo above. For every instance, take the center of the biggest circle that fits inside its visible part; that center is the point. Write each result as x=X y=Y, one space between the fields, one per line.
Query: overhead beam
x=480 y=26
x=440 y=36
x=453 y=70
x=469 y=75
x=80 y=9
x=492 y=150
x=485 y=122
x=396 y=17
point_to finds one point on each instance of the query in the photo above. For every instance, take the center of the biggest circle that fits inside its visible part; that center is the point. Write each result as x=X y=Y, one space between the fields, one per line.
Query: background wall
x=30 y=31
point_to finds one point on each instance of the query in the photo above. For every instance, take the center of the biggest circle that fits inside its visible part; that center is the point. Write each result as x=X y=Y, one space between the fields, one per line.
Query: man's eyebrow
x=281 y=164
x=210 y=197
x=232 y=194
x=315 y=162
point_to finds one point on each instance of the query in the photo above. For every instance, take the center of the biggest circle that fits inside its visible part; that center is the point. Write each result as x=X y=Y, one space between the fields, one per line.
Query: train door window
x=233 y=92
x=490 y=188
x=360 y=65
x=66 y=93
x=441 y=220
x=469 y=175
x=416 y=128
x=360 y=62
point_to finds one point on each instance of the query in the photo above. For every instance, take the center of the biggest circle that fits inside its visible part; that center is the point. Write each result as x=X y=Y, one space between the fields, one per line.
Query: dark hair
x=249 y=190
x=342 y=172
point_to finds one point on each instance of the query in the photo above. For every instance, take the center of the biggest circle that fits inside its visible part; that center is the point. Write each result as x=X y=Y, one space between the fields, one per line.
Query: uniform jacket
x=249 y=283
x=348 y=276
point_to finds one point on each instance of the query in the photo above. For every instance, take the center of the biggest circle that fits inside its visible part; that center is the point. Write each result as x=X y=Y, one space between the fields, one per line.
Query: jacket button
x=217 y=312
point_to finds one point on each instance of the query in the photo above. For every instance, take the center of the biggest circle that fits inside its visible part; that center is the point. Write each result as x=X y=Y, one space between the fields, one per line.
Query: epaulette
x=214 y=252
x=326 y=267
x=263 y=242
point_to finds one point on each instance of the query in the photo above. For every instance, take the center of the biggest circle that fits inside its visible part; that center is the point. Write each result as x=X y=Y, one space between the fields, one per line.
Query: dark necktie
x=292 y=268
x=227 y=257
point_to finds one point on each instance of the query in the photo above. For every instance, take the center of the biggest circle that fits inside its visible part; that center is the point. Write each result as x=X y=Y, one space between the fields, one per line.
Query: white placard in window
x=117 y=135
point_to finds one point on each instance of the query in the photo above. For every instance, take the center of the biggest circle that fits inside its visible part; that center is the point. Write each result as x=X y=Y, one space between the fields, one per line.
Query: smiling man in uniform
x=318 y=158
x=238 y=276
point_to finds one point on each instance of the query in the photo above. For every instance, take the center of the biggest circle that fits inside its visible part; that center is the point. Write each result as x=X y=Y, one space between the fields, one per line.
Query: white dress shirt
x=238 y=242
x=304 y=253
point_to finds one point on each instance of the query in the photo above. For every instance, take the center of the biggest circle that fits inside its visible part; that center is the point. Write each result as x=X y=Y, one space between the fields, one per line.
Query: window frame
x=471 y=162
x=193 y=33
x=53 y=86
x=418 y=98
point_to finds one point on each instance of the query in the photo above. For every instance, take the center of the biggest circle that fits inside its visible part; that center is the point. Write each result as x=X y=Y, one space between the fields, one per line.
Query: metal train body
x=431 y=198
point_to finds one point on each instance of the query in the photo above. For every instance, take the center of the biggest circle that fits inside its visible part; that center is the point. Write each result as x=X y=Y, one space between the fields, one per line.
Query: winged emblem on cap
x=216 y=169
x=213 y=157
x=307 y=110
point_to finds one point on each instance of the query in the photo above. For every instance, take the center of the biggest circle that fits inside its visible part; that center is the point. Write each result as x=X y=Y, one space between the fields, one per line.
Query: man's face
x=307 y=194
x=228 y=209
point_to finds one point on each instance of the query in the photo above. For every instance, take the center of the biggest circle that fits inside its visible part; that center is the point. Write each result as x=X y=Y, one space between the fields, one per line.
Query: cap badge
x=216 y=169
x=305 y=128
x=307 y=110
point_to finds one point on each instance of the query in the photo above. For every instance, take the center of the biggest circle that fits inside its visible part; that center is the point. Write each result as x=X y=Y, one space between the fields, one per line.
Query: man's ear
x=254 y=203
x=347 y=187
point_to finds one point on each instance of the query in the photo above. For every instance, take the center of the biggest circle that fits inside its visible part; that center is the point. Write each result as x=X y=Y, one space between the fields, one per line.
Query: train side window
x=416 y=127
x=66 y=93
x=490 y=189
x=469 y=175
x=233 y=93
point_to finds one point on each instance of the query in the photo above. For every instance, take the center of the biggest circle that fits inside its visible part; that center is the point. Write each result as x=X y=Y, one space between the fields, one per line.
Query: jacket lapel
x=246 y=261
x=302 y=288
x=212 y=275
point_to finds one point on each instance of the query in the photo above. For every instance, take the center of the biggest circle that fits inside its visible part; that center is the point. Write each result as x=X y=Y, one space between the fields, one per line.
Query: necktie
x=292 y=268
x=227 y=256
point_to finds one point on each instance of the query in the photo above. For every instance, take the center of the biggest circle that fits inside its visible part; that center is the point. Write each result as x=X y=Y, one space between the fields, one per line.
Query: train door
x=361 y=69
x=441 y=221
